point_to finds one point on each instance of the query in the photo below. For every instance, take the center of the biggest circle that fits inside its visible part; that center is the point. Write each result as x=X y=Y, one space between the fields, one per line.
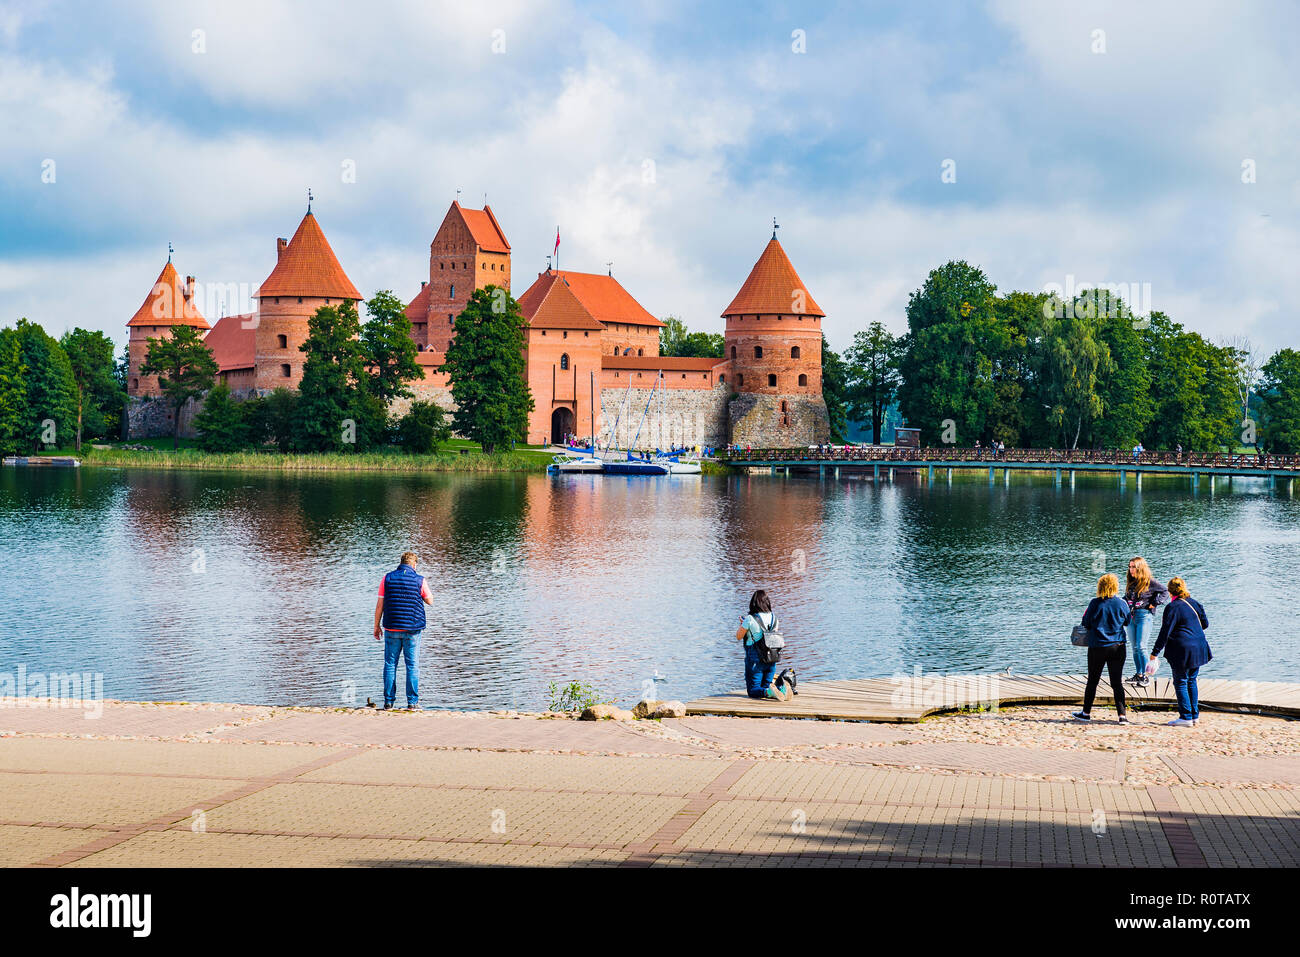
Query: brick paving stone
x=95 y=799
x=23 y=846
x=1217 y=769
x=123 y=718
x=481 y=769
x=996 y=758
x=134 y=756
x=784 y=733
x=462 y=731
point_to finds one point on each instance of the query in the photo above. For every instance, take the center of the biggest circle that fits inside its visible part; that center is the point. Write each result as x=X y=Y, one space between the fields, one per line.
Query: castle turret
x=774 y=344
x=169 y=303
x=307 y=275
x=469 y=252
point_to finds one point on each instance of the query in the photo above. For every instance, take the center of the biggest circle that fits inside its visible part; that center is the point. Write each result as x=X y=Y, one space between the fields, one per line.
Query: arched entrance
x=562 y=423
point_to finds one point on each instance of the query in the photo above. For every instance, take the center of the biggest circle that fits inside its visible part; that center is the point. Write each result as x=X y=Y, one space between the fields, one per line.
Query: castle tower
x=468 y=252
x=168 y=304
x=307 y=275
x=774 y=343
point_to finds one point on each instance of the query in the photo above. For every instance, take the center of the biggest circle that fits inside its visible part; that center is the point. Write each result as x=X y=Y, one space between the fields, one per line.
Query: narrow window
x=722 y=378
x=740 y=380
x=300 y=298
x=453 y=291
x=566 y=334
x=758 y=352
x=733 y=352
x=803 y=379
x=794 y=352
x=640 y=352
x=771 y=381
x=284 y=341
x=284 y=370
x=564 y=361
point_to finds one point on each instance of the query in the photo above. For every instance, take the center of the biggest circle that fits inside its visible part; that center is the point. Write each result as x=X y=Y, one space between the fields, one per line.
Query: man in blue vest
x=399 y=620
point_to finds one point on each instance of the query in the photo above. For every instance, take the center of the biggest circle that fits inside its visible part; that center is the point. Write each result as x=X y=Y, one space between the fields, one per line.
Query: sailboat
x=624 y=461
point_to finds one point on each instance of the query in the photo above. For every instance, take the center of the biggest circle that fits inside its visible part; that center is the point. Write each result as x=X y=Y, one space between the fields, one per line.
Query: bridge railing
x=1045 y=457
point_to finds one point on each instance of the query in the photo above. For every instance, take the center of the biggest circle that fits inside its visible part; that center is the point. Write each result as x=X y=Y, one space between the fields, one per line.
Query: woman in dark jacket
x=1182 y=636
x=1105 y=619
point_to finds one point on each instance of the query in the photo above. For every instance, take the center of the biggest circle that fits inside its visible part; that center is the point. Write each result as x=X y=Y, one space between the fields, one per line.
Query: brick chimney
x=189 y=287
x=281 y=245
x=423 y=283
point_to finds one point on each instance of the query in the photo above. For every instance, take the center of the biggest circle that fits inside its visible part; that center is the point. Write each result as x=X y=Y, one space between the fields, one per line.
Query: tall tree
x=1073 y=359
x=330 y=414
x=389 y=350
x=220 y=424
x=676 y=340
x=1247 y=363
x=51 y=390
x=873 y=378
x=947 y=365
x=1280 y=387
x=94 y=373
x=185 y=369
x=485 y=363
x=1124 y=388
x=13 y=393
x=835 y=391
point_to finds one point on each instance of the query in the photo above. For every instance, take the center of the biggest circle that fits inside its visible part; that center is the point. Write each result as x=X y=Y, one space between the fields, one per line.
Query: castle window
x=442 y=265
x=733 y=352
x=453 y=291
x=794 y=352
x=722 y=378
x=327 y=300
x=683 y=375
x=453 y=265
x=135 y=384
x=300 y=298
x=783 y=406
x=285 y=370
x=564 y=361
x=771 y=381
x=566 y=334
x=640 y=352
x=758 y=352
x=284 y=341
x=740 y=380
x=484 y=266
x=585 y=334
x=803 y=379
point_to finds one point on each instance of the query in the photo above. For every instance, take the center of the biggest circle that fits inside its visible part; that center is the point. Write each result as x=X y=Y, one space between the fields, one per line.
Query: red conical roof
x=308 y=267
x=773 y=288
x=167 y=304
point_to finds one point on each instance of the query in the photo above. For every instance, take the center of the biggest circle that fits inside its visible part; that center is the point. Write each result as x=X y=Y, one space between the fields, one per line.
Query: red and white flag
x=557 y=239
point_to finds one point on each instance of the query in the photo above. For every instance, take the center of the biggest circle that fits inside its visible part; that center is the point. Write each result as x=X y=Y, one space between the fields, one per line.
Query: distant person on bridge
x=1182 y=636
x=400 y=612
x=1144 y=595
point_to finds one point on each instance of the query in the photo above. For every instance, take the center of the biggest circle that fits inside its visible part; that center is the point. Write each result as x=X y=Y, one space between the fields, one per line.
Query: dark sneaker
x=1081 y=716
x=1123 y=719
x=388 y=706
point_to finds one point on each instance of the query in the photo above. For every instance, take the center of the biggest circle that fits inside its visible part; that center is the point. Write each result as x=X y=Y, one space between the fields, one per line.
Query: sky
x=1053 y=145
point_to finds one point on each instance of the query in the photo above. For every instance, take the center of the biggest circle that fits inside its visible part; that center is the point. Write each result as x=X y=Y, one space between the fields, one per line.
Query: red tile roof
x=166 y=304
x=550 y=304
x=772 y=287
x=232 y=342
x=602 y=296
x=308 y=267
x=483 y=226
x=418 y=309
x=661 y=363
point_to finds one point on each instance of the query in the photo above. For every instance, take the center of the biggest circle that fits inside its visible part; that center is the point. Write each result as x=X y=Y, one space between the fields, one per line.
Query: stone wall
x=151 y=418
x=780 y=421
x=690 y=417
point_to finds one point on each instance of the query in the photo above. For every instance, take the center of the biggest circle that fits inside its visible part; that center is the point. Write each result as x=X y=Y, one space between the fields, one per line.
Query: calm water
x=254 y=588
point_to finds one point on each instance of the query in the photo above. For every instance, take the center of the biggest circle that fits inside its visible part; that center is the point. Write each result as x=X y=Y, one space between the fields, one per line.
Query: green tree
x=485 y=363
x=835 y=391
x=676 y=340
x=51 y=405
x=423 y=429
x=13 y=394
x=1125 y=388
x=952 y=342
x=331 y=415
x=873 y=379
x=90 y=355
x=220 y=424
x=389 y=350
x=1194 y=389
x=272 y=418
x=1280 y=388
x=185 y=369
x=1072 y=360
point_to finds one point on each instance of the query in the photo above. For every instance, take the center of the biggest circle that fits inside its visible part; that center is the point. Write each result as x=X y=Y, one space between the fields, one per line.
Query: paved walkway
x=207 y=785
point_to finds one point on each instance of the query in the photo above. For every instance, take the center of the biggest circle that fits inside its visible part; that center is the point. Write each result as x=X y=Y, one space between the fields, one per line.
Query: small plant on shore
x=575 y=696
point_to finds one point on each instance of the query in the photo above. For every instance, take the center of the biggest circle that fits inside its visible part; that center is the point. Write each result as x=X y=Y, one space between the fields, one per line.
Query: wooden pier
x=908 y=699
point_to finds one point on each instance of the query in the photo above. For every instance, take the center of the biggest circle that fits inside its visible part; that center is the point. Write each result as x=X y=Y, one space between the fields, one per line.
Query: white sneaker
x=1181 y=723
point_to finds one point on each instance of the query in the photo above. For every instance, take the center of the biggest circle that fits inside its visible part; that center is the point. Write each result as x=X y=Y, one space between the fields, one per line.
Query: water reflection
x=260 y=588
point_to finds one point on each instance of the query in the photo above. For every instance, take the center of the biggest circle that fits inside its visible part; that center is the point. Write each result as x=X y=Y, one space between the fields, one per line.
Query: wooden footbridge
x=910 y=698
x=1062 y=463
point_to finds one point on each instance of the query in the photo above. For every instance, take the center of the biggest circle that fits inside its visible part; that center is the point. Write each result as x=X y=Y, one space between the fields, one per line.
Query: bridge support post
x=1196 y=481
x=875 y=473
x=772 y=469
x=1212 y=478
x=930 y=476
x=990 y=475
x=1006 y=476
x=1137 y=480
x=1071 y=478
x=891 y=476
x=1123 y=478
x=837 y=471
x=950 y=476
x=1058 y=478
x=821 y=471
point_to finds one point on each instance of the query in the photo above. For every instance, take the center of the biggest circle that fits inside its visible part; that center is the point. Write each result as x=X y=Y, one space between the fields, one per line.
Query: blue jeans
x=397 y=644
x=1137 y=630
x=758 y=676
x=1189 y=703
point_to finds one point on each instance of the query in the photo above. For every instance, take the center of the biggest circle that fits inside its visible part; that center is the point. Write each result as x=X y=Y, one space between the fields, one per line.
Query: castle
x=591 y=350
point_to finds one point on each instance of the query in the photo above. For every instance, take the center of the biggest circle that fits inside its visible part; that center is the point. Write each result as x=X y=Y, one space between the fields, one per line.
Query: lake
x=260 y=588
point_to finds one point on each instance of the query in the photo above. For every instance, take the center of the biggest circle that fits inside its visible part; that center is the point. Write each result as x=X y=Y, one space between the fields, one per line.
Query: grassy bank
x=462 y=459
